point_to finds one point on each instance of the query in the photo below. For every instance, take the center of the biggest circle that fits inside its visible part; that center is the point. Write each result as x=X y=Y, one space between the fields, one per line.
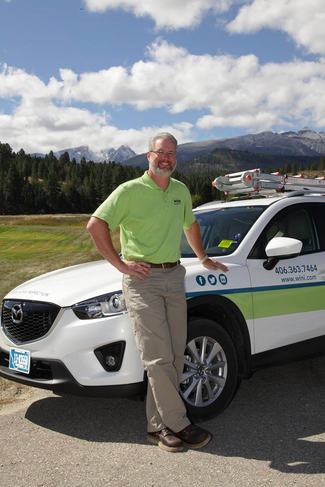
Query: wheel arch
x=228 y=315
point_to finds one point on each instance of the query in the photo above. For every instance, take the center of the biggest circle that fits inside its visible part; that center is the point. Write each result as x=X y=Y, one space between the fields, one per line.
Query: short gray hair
x=164 y=136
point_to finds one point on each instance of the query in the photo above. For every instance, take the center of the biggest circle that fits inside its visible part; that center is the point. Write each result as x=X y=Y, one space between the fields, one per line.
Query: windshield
x=223 y=229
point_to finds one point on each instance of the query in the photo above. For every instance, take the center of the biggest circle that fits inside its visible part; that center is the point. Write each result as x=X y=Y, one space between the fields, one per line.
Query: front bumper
x=53 y=375
x=66 y=359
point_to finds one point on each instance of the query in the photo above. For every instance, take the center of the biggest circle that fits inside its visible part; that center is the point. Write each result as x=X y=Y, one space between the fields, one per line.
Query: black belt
x=164 y=265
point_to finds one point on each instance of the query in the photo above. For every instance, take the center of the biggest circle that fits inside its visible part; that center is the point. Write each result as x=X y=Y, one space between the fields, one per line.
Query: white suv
x=69 y=331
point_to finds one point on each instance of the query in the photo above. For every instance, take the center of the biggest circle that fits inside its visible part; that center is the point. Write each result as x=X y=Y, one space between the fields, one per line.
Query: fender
x=228 y=315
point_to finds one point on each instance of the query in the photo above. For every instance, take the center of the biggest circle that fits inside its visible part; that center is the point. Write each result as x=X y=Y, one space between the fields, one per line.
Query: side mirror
x=281 y=248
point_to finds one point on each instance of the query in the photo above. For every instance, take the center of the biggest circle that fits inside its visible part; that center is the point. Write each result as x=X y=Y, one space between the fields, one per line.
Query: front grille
x=26 y=321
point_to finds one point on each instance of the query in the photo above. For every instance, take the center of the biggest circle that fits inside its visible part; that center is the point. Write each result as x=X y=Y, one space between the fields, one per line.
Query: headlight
x=101 y=306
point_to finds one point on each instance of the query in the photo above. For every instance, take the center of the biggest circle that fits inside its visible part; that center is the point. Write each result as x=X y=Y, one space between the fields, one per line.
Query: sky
x=106 y=73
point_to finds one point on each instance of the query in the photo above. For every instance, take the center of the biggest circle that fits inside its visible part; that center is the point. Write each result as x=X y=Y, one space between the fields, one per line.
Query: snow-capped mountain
x=120 y=155
x=117 y=155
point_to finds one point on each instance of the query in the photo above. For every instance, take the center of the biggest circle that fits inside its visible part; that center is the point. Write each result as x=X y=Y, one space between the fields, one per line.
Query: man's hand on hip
x=138 y=269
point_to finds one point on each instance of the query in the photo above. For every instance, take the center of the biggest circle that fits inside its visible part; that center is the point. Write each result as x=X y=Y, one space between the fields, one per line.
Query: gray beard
x=160 y=172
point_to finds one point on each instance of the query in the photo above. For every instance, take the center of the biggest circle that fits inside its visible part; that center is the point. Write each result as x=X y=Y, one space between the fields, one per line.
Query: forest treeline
x=37 y=185
x=41 y=185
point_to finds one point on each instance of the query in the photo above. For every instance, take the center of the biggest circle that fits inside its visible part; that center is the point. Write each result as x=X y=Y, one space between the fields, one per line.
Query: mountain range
x=304 y=143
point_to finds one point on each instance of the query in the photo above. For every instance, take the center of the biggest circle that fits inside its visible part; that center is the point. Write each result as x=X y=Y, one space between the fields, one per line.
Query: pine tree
x=63 y=165
x=12 y=189
x=52 y=189
x=6 y=157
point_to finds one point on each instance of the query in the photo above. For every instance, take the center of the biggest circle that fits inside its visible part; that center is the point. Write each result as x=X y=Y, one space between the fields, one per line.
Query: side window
x=294 y=222
x=299 y=225
x=319 y=218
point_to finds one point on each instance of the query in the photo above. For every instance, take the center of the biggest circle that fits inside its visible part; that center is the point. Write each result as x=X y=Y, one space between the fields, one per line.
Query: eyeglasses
x=162 y=153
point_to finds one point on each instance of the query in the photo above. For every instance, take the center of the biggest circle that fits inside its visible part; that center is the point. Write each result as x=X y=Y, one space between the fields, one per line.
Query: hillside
x=235 y=160
x=304 y=143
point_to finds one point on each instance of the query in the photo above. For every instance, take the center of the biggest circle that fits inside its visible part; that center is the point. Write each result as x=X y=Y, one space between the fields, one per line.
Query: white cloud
x=302 y=20
x=16 y=82
x=168 y=14
x=225 y=91
x=39 y=123
x=48 y=127
x=170 y=78
x=277 y=94
x=237 y=91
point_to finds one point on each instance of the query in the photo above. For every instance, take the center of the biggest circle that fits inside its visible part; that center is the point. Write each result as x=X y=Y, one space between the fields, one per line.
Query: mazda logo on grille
x=17 y=314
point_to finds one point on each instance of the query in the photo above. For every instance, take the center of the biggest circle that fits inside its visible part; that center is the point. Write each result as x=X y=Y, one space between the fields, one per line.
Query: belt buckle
x=164 y=266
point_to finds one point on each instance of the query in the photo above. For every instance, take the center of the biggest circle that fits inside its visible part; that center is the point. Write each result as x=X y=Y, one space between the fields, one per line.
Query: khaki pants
x=158 y=311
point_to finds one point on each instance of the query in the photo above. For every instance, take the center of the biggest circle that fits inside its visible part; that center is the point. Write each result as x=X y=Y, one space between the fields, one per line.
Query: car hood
x=70 y=285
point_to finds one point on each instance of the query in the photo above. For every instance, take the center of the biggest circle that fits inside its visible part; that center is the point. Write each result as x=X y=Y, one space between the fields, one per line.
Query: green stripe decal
x=289 y=301
x=271 y=301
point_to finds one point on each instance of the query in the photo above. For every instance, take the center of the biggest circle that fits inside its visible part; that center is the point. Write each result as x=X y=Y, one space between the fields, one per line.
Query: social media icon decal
x=223 y=279
x=212 y=279
x=201 y=280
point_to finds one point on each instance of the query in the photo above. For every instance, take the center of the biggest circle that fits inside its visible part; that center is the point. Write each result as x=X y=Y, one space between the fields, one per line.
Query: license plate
x=19 y=360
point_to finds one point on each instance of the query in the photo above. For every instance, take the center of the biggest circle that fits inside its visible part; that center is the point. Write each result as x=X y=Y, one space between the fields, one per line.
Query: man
x=152 y=211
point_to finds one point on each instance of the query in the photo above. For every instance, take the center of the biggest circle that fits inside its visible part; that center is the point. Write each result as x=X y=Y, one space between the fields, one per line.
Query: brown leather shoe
x=194 y=437
x=166 y=440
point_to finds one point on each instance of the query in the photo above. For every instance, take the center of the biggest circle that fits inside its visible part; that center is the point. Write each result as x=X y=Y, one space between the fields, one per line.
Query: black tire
x=210 y=377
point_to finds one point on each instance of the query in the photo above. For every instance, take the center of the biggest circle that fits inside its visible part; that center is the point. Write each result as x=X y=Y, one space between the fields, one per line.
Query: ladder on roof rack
x=254 y=181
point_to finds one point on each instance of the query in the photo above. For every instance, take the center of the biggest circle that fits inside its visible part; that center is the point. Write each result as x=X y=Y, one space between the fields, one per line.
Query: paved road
x=273 y=434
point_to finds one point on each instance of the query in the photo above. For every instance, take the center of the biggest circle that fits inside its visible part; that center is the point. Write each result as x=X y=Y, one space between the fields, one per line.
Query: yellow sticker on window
x=225 y=243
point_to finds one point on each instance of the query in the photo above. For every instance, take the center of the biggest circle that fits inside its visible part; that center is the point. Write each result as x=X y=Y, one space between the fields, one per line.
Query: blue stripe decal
x=287 y=286
x=254 y=289
x=221 y=292
x=204 y=293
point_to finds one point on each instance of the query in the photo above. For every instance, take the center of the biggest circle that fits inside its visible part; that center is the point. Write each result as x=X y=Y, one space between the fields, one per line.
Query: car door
x=289 y=299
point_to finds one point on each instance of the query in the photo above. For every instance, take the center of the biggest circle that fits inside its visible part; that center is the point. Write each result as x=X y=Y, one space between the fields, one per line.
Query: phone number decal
x=296 y=269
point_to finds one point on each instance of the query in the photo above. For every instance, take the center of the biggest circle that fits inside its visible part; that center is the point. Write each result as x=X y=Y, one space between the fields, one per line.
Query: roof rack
x=254 y=181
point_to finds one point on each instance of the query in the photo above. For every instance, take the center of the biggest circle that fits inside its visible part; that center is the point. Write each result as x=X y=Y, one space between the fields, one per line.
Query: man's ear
x=148 y=156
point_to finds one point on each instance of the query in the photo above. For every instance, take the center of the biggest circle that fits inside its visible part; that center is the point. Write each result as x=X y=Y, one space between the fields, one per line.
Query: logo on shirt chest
x=177 y=202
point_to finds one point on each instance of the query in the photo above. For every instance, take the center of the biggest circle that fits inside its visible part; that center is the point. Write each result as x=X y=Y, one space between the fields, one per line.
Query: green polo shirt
x=150 y=219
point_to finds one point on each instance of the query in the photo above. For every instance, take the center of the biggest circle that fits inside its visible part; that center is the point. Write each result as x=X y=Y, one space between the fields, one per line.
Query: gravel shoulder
x=14 y=397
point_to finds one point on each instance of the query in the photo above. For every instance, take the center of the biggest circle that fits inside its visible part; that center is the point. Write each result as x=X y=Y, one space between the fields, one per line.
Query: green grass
x=33 y=245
